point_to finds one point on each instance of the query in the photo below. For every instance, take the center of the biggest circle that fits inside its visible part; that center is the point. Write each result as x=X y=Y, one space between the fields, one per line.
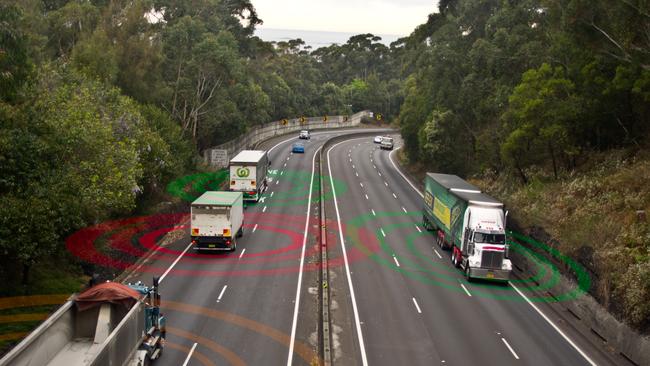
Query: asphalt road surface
x=396 y=299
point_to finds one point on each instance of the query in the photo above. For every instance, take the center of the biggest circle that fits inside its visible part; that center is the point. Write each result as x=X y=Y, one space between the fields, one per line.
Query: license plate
x=211 y=246
x=490 y=275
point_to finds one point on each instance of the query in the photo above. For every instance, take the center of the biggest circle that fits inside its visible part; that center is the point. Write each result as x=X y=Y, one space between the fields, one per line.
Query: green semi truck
x=470 y=223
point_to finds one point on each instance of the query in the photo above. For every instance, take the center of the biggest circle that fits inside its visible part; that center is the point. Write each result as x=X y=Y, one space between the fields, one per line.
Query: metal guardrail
x=220 y=155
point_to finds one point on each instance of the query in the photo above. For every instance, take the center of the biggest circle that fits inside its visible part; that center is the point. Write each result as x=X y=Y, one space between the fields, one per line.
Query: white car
x=378 y=139
x=304 y=135
x=386 y=143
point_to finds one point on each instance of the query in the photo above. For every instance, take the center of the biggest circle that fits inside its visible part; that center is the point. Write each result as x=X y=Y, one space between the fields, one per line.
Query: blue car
x=298 y=148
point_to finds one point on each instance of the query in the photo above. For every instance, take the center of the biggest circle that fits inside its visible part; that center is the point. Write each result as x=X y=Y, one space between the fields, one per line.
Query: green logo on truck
x=243 y=172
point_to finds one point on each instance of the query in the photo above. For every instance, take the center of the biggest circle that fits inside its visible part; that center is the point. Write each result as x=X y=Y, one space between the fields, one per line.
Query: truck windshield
x=489 y=238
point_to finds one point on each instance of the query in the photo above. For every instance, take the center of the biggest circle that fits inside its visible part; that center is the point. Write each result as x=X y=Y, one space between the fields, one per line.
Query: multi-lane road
x=395 y=297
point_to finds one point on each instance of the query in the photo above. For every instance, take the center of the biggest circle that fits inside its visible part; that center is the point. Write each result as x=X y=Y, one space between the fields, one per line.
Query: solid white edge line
x=390 y=157
x=575 y=346
x=362 y=347
x=403 y=209
x=417 y=227
x=510 y=348
x=173 y=264
x=189 y=355
x=566 y=338
x=302 y=262
x=395 y=259
x=223 y=290
x=264 y=209
x=242 y=253
x=394 y=195
x=466 y=290
x=382 y=232
x=415 y=302
x=373 y=212
x=438 y=254
x=254 y=227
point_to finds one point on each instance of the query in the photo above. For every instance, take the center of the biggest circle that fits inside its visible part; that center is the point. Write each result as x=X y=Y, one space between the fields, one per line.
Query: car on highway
x=304 y=135
x=377 y=139
x=298 y=148
x=386 y=143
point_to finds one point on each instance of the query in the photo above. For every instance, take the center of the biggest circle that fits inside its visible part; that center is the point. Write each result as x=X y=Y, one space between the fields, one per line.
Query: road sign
x=284 y=121
x=379 y=116
x=325 y=119
x=302 y=120
x=345 y=118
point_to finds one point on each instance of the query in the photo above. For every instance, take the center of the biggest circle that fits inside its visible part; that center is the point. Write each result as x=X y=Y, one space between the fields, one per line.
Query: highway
x=396 y=299
x=412 y=306
x=256 y=306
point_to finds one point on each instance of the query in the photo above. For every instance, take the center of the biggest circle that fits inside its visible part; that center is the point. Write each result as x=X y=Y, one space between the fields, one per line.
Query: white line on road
x=554 y=326
x=242 y=253
x=357 y=174
x=353 y=167
x=582 y=353
x=285 y=165
x=189 y=355
x=264 y=209
x=416 y=305
x=223 y=290
x=386 y=183
x=382 y=232
x=379 y=173
x=294 y=323
x=288 y=157
x=438 y=254
x=350 y=160
x=510 y=348
x=403 y=209
x=373 y=212
x=374 y=166
x=282 y=172
x=277 y=181
x=361 y=184
x=396 y=262
x=173 y=264
x=367 y=197
x=272 y=194
x=417 y=227
x=353 y=298
x=254 y=227
x=394 y=195
x=466 y=291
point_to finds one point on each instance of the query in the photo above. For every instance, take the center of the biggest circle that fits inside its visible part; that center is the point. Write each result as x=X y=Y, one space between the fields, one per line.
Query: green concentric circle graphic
x=421 y=266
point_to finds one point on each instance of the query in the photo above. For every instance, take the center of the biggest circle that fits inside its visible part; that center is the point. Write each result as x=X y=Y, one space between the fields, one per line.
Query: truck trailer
x=217 y=220
x=248 y=171
x=470 y=223
x=108 y=324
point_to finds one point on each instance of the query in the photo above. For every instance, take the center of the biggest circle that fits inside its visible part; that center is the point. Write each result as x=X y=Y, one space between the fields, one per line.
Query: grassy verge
x=597 y=216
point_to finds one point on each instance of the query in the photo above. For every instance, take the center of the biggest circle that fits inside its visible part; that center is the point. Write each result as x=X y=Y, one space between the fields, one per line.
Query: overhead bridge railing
x=219 y=156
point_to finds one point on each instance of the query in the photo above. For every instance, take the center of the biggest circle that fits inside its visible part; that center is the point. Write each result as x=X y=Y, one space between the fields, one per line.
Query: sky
x=396 y=17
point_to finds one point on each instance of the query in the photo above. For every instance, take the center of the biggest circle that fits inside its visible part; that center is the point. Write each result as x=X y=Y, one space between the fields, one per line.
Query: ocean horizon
x=315 y=39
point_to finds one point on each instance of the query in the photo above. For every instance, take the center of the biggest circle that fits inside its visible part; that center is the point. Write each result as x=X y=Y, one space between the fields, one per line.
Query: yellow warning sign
x=324 y=118
x=284 y=122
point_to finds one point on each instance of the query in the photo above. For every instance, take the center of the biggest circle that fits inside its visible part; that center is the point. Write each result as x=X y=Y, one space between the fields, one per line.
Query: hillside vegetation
x=547 y=104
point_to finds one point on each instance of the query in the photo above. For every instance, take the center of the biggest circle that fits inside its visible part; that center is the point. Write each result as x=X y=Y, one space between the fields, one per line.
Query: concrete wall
x=219 y=156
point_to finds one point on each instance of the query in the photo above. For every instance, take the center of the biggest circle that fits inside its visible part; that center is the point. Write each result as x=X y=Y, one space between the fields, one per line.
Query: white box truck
x=248 y=172
x=217 y=220
x=469 y=222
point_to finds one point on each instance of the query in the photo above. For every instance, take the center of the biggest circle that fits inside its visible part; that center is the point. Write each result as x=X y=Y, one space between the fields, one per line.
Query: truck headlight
x=507 y=265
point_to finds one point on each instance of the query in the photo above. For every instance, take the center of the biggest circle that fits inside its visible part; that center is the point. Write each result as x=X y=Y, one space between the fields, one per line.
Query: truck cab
x=484 y=249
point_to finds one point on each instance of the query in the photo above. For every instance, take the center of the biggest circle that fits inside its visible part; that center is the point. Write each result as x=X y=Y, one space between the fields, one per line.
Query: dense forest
x=102 y=102
x=546 y=103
